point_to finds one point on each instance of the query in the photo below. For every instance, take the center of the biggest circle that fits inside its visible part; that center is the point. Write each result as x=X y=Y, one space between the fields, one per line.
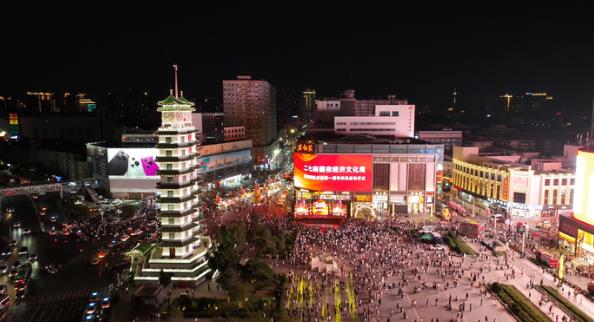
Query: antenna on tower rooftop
x=175 y=75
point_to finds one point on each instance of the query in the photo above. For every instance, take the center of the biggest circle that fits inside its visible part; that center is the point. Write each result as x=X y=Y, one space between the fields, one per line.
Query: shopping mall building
x=128 y=170
x=361 y=176
x=511 y=183
x=576 y=231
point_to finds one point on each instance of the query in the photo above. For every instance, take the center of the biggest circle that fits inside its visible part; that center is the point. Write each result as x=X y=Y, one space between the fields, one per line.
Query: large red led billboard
x=333 y=172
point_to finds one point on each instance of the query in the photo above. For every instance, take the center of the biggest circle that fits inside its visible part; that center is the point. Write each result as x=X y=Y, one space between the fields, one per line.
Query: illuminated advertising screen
x=319 y=209
x=333 y=172
x=220 y=161
x=583 y=203
x=131 y=163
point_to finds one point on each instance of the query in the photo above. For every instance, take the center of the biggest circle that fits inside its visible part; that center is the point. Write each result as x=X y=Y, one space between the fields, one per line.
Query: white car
x=437 y=247
x=3 y=269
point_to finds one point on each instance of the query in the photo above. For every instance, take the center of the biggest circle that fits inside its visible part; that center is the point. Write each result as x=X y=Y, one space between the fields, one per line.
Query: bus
x=547 y=259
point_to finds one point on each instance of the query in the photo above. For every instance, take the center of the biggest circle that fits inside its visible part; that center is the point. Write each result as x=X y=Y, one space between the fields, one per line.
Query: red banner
x=333 y=172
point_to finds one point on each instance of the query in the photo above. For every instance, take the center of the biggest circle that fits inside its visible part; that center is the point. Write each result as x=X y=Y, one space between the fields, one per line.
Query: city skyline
x=420 y=56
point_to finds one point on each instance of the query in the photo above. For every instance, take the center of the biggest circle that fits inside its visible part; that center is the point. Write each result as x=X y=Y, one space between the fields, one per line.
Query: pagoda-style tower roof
x=173 y=103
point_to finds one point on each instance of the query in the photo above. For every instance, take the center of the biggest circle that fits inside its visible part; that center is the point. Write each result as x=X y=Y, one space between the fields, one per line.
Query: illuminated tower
x=181 y=250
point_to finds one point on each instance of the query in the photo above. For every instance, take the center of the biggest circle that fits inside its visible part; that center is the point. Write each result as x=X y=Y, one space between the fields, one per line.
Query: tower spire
x=175 y=75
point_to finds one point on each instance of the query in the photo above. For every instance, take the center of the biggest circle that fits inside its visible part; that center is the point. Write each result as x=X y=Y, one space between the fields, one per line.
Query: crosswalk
x=58 y=297
x=61 y=306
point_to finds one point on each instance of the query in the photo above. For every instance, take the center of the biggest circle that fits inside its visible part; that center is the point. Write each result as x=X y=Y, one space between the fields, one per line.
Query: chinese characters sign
x=305 y=148
x=331 y=172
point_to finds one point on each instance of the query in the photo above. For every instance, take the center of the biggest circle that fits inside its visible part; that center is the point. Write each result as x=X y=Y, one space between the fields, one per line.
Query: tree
x=128 y=211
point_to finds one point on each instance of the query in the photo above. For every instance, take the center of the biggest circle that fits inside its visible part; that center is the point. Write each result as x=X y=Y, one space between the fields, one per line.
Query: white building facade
x=396 y=120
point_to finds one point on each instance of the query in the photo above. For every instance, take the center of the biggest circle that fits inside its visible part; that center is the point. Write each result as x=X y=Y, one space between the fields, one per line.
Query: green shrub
x=458 y=245
x=566 y=305
x=518 y=304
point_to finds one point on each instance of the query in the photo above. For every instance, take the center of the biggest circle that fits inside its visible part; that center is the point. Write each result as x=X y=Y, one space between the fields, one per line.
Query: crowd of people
x=392 y=274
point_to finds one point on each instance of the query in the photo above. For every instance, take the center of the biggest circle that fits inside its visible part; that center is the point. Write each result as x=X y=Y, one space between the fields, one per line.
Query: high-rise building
x=42 y=102
x=181 y=251
x=252 y=104
x=309 y=103
x=209 y=127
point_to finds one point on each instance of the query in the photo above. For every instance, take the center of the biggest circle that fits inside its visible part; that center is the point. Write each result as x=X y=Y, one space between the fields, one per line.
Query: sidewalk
x=527 y=271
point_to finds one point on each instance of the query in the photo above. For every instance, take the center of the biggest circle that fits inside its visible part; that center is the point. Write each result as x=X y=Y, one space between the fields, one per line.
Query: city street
x=55 y=297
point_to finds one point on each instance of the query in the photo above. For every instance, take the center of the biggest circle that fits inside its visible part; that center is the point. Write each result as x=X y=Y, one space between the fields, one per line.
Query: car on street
x=13 y=272
x=35 y=196
x=3 y=269
x=3 y=289
x=13 y=243
x=53 y=218
x=16 y=224
x=95 y=261
x=94 y=296
x=125 y=238
x=91 y=308
x=24 y=251
x=27 y=231
x=53 y=231
x=102 y=254
x=21 y=293
x=105 y=303
x=6 y=252
x=32 y=258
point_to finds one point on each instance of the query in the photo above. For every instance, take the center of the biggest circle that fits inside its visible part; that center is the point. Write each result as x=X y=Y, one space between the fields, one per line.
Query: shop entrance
x=416 y=203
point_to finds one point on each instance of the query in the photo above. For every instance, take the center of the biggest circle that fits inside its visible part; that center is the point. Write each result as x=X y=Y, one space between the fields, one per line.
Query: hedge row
x=458 y=245
x=565 y=304
x=518 y=304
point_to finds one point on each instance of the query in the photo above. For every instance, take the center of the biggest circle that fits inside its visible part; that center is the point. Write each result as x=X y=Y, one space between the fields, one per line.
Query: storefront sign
x=505 y=188
x=363 y=198
x=305 y=148
x=568 y=226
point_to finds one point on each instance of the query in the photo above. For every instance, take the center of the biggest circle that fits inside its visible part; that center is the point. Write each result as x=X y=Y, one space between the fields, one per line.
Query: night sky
x=417 y=53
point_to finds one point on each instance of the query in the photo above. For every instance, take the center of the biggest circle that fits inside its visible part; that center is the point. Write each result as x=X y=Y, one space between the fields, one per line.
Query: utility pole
x=523 y=243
